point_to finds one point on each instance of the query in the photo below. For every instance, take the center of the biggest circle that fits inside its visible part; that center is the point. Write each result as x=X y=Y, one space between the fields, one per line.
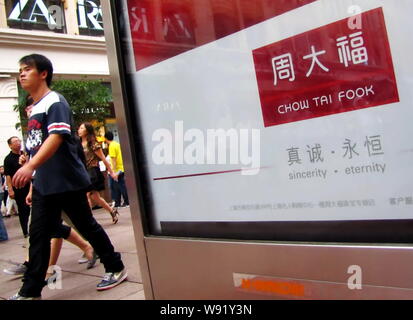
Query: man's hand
x=10 y=187
x=114 y=176
x=29 y=199
x=46 y=151
x=22 y=159
x=11 y=193
x=22 y=176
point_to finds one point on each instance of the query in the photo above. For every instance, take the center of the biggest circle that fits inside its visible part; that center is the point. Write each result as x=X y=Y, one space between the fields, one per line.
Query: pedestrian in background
x=3 y=191
x=117 y=185
x=3 y=230
x=94 y=154
x=12 y=163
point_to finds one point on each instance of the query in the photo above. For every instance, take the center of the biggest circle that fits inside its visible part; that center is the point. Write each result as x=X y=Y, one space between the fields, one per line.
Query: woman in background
x=94 y=154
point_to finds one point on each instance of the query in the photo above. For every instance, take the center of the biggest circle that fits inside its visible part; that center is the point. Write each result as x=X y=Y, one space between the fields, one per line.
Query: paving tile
x=86 y=290
x=140 y=295
x=71 y=282
x=9 y=286
x=78 y=283
x=68 y=262
x=13 y=255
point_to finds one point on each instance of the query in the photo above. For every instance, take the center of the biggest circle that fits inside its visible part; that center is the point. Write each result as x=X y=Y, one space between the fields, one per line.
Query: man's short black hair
x=10 y=139
x=41 y=63
x=109 y=135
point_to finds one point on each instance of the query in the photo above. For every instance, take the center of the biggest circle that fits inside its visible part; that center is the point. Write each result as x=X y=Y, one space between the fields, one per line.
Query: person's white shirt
x=102 y=166
x=10 y=205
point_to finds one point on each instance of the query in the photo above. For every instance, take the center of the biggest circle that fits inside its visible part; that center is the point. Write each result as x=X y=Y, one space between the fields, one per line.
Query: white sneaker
x=82 y=259
x=19 y=297
x=112 y=279
x=16 y=270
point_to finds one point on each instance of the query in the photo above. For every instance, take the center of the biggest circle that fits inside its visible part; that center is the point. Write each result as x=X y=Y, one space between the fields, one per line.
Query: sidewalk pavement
x=77 y=282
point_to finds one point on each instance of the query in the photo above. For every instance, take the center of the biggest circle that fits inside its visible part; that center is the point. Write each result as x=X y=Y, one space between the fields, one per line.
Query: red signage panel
x=332 y=69
x=162 y=29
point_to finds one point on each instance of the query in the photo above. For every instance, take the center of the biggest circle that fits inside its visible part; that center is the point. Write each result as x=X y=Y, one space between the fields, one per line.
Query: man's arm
x=101 y=156
x=112 y=155
x=29 y=196
x=46 y=151
x=9 y=187
x=113 y=161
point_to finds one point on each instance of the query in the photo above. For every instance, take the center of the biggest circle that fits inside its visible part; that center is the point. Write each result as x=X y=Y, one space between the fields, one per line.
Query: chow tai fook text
x=329 y=70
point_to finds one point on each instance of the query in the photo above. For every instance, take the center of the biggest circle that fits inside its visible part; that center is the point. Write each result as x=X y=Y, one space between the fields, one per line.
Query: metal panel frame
x=204 y=269
x=115 y=64
x=183 y=268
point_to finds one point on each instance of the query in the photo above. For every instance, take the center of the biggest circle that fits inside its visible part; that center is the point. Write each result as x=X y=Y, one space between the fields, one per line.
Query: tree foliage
x=88 y=99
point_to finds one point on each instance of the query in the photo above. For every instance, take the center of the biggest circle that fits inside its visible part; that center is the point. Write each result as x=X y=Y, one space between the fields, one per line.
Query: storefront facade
x=69 y=33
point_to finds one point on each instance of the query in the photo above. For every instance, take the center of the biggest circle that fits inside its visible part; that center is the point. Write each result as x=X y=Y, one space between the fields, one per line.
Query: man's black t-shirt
x=11 y=164
x=64 y=171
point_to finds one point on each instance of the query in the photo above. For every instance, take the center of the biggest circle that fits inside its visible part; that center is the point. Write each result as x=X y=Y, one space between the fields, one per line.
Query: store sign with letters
x=329 y=70
x=51 y=13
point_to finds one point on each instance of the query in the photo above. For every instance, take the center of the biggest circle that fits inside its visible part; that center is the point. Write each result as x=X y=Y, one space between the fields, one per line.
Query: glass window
x=45 y=15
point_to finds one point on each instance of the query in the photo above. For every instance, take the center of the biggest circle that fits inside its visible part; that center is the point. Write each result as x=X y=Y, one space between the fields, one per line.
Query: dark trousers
x=6 y=195
x=46 y=218
x=118 y=190
x=24 y=210
x=62 y=231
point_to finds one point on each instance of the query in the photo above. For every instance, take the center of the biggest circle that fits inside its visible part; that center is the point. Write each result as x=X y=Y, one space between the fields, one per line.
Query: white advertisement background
x=214 y=87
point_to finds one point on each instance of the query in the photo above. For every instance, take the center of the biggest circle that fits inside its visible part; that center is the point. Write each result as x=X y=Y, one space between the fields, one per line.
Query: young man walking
x=59 y=183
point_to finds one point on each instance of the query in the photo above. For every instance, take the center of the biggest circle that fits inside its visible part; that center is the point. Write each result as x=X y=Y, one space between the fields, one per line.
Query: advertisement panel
x=281 y=121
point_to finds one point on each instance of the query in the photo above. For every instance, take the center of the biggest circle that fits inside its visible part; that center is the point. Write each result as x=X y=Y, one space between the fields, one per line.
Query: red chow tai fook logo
x=329 y=70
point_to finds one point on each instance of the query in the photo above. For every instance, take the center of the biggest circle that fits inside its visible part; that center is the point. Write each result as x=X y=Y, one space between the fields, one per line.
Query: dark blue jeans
x=118 y=190
x=3 y=231
x=46 y=218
